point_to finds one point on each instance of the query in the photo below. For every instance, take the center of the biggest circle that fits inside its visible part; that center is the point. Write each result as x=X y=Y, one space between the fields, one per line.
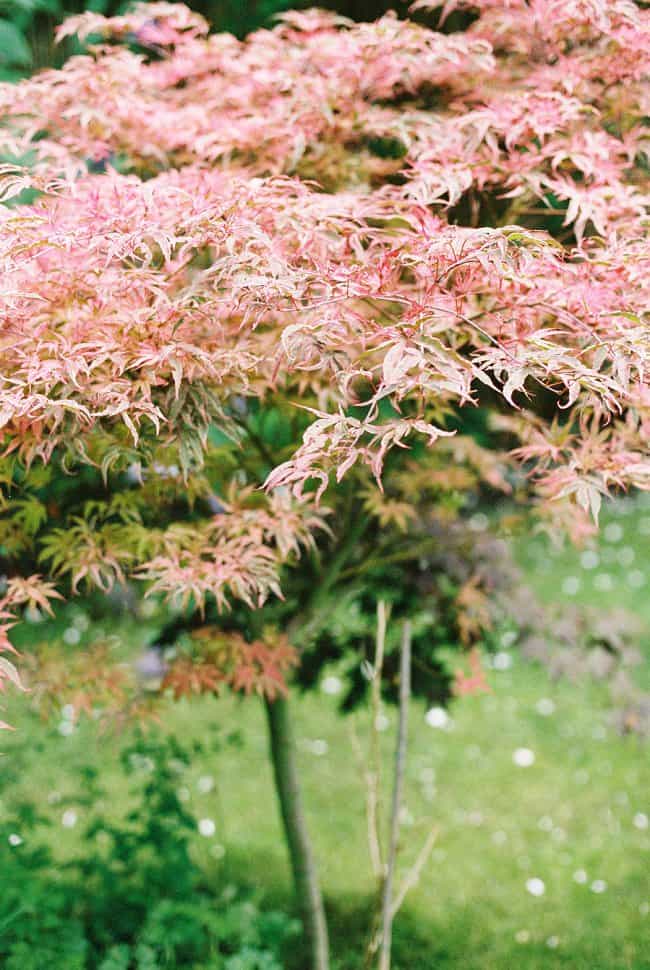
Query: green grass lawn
x=539 y=866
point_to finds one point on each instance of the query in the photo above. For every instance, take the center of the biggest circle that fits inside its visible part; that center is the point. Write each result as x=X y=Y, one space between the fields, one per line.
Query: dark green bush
x=133 y=897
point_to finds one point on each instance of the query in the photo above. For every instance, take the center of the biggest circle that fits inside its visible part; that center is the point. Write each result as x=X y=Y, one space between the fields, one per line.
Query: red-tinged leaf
x=8 y=671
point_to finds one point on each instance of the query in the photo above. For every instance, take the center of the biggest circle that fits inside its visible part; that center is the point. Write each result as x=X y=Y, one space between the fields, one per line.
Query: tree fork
x=305 y=875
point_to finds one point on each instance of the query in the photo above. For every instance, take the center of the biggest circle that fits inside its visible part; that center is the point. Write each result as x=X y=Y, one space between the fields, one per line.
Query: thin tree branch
x=374 y=774
x=400 y=763
x=413 y=875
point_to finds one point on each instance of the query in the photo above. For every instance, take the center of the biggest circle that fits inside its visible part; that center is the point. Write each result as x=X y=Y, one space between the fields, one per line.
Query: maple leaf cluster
x=228 y=659
x=379 y=224
x=110 y=690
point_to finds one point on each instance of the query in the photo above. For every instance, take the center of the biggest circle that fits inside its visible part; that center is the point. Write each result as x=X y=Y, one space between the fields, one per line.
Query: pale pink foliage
x=217 y=268
x=33 y=592
x=238 y=554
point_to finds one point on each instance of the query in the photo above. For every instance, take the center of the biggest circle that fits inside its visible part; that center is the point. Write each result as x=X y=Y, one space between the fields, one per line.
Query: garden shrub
x=133 y=896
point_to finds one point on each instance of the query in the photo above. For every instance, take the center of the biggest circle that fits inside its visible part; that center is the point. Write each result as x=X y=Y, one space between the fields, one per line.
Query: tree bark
x=305 y=876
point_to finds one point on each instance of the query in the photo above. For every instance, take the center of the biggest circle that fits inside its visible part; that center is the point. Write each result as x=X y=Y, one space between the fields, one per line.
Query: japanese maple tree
x=252 y=288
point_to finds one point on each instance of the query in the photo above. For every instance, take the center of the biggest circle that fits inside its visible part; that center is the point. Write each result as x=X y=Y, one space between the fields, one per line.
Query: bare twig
x=400 y=763
x=374 y=772
x=412 y=877
x=372 y=791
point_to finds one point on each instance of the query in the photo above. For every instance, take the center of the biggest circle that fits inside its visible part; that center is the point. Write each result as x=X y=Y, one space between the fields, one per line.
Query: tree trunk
x=305 y=877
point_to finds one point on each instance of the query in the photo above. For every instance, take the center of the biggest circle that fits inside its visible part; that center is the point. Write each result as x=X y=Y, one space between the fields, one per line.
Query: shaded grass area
x=575 y=819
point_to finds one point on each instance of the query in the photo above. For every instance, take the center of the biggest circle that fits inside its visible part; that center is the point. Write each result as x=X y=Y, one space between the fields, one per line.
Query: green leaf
x=14 y=49
x=30 y=514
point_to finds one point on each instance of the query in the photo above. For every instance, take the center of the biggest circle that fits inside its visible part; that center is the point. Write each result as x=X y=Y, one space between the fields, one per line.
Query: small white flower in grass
x=69 y=818
x=205 y=784
x=81 y=622
x=589 y=559
x=67 y=712
x=535 y=886
x=72 y=636
x=626 y=556
x=141 y=762
x=382 y=722
x=207 y=828
x=437 y=717
x=580 y=876
x=545 y=823
x=508 y=639
x=613 y=532
x=54 y=797
x=641 y=820
x=499 y=838
x=66 y=728
x=598 y=886
x=319 y=747
x=636 y=579
x=545 y=706
x=332 y=685
x=523 y=757
x=522 y=936
x=604 y=583
x=553 y=942
x=14 y=839
x=502 y=661
x=571 y=585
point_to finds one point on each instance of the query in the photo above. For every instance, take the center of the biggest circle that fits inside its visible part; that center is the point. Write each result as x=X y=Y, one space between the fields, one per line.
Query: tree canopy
x=370 y=228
